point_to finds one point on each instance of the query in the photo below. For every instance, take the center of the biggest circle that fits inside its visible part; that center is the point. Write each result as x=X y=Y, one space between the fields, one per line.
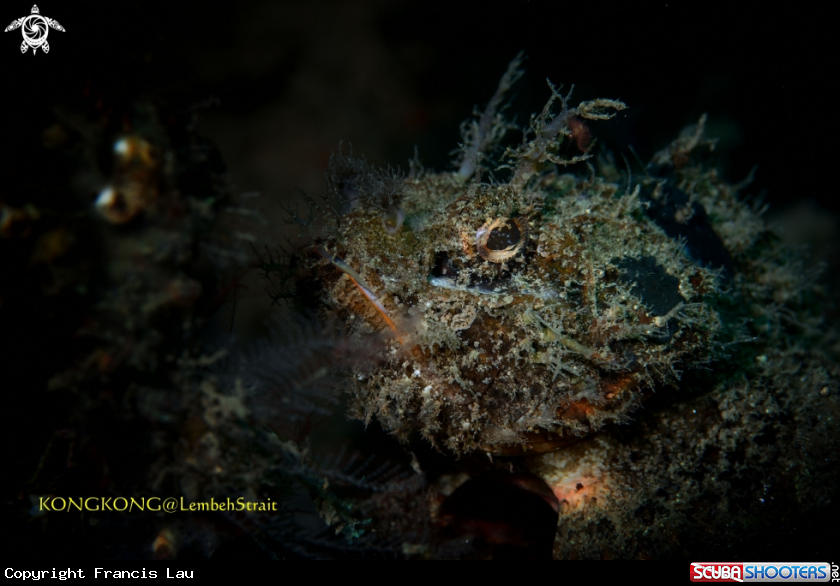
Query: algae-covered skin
x=522 y=314
x=595 y=307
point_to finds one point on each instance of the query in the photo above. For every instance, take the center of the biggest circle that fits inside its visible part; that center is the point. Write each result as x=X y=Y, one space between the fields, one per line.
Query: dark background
x=293 y=79
x=413 y=69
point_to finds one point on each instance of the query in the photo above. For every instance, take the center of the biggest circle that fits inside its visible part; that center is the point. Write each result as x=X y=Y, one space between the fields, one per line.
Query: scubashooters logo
x=35 y=29
x=760 y=572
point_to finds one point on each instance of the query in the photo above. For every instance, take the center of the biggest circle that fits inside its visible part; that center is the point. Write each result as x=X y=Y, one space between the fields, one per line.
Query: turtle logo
x=35 y=28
